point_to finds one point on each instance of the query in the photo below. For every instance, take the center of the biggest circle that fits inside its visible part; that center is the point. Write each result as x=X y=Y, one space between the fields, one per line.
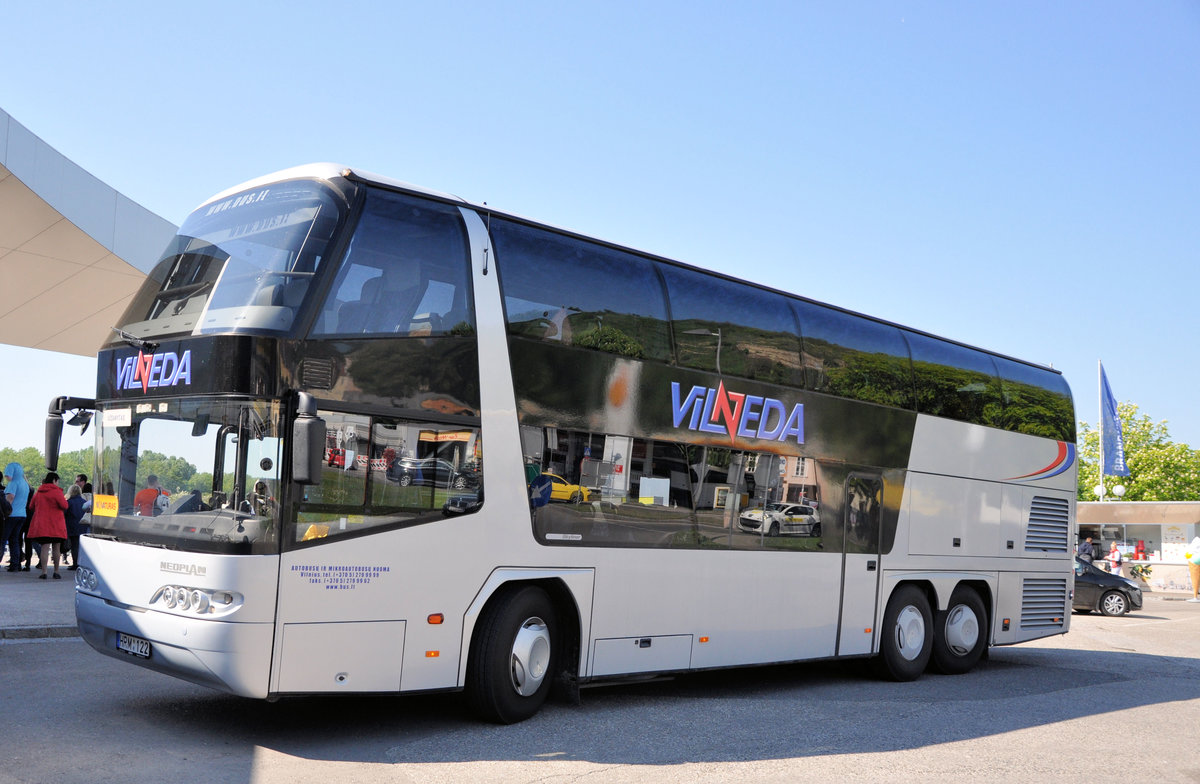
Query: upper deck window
x=731 y=328
x=579 y=293
x=855 y=357
x=955 y=382
x=239 y=264
x=406 y=272
x=1036 y=401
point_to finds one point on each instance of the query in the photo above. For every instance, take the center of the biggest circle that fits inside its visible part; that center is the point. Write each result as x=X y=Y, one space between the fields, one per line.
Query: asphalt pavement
x=31 y=608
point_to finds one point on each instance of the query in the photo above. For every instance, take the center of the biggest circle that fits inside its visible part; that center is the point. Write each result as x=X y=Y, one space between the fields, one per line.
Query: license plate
x=133 y=645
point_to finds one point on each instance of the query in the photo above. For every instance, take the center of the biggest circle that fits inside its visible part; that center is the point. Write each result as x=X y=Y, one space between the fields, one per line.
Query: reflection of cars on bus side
x=782 y=518
x=337 y=458
x=463 y=504
x=431 y=471
x=562 y=490
x=1096 y=589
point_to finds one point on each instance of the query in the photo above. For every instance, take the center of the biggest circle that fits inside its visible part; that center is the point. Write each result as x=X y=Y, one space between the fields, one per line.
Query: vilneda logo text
x=154 y=370
x=736 y=414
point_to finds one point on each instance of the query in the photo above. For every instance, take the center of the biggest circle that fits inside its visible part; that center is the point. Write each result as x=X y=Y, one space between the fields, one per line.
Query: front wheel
x=906 y=643
x=959 y=633
x=405 y=480
x=577 y=497
x=513 y=656
x=1114 y=603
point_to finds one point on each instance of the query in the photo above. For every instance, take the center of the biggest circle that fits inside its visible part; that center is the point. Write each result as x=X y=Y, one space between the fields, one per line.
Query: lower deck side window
x=390 y=472
x=620 y=491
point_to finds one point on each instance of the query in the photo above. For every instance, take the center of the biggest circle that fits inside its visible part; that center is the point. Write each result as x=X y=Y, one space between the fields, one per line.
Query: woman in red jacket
x=49 y=525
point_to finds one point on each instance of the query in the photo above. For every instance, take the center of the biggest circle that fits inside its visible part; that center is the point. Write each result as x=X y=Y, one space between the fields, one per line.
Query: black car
x=431 y=471
x=1096 y=589
x=463 y=504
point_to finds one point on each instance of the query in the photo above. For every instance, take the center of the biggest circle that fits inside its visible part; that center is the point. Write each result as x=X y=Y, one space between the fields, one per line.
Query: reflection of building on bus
x=798 y=481
x=664 y=444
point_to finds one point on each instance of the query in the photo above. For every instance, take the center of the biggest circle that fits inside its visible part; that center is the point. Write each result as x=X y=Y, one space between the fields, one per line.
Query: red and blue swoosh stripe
x=1063 y=461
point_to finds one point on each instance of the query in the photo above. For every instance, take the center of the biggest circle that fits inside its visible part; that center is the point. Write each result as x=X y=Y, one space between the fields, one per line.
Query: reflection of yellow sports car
x=562 y=490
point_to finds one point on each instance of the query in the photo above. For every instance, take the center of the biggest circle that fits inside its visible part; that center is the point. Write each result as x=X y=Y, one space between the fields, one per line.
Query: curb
x=38 y=632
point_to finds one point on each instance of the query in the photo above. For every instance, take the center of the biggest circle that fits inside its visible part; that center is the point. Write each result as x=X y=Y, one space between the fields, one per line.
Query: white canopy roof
x=72 y=250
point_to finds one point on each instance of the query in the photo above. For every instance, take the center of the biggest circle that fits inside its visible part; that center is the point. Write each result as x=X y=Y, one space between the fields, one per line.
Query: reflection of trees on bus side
x=612 y=340
x=940 y=390
x=446 y=367
x=746 y=352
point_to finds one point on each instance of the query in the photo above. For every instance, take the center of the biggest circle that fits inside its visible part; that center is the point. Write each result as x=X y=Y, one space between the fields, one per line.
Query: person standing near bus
x=75 y=527
x=5 y=508
x=1114 y=559
x=49 y=525
x=17 y=493
x=1085 y=550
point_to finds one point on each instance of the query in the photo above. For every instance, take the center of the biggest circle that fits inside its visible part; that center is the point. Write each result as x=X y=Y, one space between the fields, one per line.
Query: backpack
x=5 y=506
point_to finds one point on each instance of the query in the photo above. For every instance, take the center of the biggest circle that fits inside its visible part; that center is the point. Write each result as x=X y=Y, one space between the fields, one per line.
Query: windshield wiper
x=185 y=291
x=135 y=341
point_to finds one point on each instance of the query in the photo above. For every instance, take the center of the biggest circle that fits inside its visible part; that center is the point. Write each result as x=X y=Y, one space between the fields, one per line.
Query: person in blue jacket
x=16 y=490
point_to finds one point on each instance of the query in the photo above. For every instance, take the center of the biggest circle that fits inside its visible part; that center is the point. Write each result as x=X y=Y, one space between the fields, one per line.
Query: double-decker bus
x=683 y=471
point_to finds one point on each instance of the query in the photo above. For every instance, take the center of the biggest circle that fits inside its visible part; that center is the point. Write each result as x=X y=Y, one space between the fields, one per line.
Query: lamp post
x=710 y=334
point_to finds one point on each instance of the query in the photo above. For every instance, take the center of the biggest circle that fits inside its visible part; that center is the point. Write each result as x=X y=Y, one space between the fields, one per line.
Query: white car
x=782 y=518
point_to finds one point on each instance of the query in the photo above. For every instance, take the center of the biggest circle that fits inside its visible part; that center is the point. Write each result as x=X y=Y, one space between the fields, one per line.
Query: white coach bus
x=341 y=363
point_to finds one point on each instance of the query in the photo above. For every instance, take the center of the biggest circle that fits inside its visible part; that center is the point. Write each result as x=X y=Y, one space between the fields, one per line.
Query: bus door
x=861 y=514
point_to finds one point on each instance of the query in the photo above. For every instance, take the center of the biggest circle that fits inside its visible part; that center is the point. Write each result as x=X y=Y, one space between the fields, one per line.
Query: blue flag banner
x=1113 y=462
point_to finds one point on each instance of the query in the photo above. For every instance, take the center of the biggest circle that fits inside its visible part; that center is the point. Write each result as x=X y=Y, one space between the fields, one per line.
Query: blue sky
x=1022 y=176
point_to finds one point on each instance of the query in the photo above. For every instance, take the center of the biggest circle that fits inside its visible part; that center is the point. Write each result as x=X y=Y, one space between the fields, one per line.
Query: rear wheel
x=1114 y=603
x=513 y=656
x=904 y=649
x=959 y=633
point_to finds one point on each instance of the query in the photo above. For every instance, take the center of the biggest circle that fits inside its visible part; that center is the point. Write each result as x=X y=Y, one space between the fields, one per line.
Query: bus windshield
x=239 y=264
x=190 y=474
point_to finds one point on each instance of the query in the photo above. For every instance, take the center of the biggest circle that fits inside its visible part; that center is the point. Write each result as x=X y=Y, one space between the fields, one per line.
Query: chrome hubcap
x=910 y=633
x=962 y=630
x=530 y=656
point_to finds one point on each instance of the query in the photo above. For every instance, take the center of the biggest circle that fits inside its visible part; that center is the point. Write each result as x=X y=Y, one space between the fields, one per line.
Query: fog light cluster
x=86 y=579
x=197 y=600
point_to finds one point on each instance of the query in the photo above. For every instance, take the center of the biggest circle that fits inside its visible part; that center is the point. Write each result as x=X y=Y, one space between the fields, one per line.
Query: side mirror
x=54 y=428
x=308 y=442
x=83 y=408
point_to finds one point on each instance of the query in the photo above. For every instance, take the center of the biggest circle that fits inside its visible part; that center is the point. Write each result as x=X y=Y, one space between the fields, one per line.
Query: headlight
x=201 y=601
x=85 y=579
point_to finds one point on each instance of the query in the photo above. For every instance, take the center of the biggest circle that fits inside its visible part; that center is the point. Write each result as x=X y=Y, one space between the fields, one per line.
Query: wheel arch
x=570 y=592
x=984 y=590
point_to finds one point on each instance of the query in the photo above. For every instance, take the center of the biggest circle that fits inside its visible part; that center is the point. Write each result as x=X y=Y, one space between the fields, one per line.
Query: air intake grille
x=1043 y=602
x=316 y=373
x=1049 y=525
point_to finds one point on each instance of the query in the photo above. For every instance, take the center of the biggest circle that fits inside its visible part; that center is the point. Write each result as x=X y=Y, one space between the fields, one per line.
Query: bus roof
x=330 y=171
